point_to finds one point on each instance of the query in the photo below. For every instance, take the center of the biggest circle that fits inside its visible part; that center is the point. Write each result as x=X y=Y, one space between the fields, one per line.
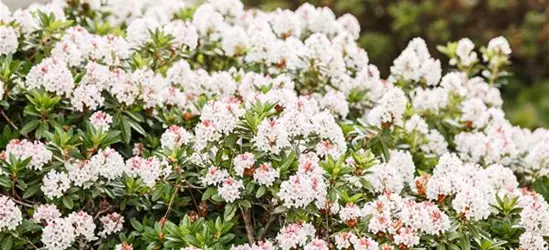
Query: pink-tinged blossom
x=101 y=120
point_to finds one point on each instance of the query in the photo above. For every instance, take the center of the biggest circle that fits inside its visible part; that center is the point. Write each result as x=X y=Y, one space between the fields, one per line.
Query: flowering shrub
x=158 y=125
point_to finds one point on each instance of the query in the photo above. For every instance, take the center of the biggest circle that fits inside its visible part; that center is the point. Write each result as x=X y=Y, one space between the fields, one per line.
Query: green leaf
x=136 y=127
x=230 y=210
x=464 y=243
x=30 y=127
x=260 y=191
x=7 y=243
x=32 y=190
x=542 y=187
x=211 y=191
x=136 y=224
x=67 y=202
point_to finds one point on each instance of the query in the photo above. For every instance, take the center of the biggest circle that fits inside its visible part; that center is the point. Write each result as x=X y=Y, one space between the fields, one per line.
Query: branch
x=8 y=119
x=170 y=204
x=269 y=222
x=248 y=224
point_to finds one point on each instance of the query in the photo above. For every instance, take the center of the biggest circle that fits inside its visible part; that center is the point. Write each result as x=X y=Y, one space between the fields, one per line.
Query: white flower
x=184 y=33
x=465 y=53
x=139 y=31
x=415 y=64
x=531 y=241
x=416 y=123
x=316 y=244
x=364 y=243
x=53 y=75
x=389 y=109
x=265 y=174
x=101 y=120
x=46 y=212
x=271 y=136
x=499 y=45
x=55 y=184
x=175 y=137
x=294 y=235
x=242 y=162
x=109 y=163
x=215 y=176
x=11 y=216
x=112 y=223
x=149 y=170
x=83 y=225
x=230 y=189
x=349 y=212
x=58 y=234
x=343 y=240
x=8 y=40
x=22 y=149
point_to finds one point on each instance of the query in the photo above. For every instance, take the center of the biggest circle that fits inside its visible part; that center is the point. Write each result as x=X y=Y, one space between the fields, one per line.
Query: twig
x=22 y=203
x=170 y=204
x=269 y=222
x=8 y=120
x=100 y=212
x=248 y=224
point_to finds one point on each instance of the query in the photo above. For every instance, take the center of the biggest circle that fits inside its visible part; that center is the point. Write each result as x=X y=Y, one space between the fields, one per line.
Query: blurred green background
x=388 y=25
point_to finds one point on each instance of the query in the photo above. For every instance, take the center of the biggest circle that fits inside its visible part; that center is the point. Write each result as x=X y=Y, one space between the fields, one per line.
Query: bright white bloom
x=58 y=234
x=499 y=45
x=271 y=136
x=336 y=102
x=343 y=240
x=230 y=189
x=139 y=31
x=83 y=225
x=175 y=137
x=112 y=223
x=415 y=64
x=150 y=170
x=364 y=243
x=8 y=40
x=46 y=212
x=55 y=184
x=349 y=212
x=316 y=244
x=242 y=162
x=294 y=235
x=184 y=33
x=465 y=54
x=416 y=123
x=390 y=108
x=109 y=163
x=217 y=119
x=101 y=120
x=51 y=74
x=215 y=176
x=531 y=241
x=265 y=174
x=23 y=149
x=11 y=216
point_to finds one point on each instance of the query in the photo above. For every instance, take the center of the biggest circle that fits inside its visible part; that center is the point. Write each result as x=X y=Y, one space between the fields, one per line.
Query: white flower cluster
x=415 y=64
x=11 y=216
x=61 y=233
x=23 y=149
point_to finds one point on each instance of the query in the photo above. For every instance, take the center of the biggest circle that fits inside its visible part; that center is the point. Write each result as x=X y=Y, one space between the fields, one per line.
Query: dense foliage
x=388 y=25
x=155 y=125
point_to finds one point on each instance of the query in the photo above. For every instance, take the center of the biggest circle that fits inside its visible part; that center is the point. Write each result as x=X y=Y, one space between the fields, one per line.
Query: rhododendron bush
x=158 y=125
